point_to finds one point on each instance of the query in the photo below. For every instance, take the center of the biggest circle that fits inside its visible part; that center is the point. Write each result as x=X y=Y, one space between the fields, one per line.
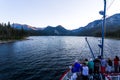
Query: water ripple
x=46 y=58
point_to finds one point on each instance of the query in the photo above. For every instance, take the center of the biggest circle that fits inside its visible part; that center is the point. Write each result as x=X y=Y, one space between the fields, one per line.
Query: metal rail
x=90 y=48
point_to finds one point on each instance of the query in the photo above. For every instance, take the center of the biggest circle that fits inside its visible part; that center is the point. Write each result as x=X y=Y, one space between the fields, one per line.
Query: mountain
x=76 y=32
x=49 y=30
x=24 y=26
x=113 y=22
x=58 y=30
x=93 y=28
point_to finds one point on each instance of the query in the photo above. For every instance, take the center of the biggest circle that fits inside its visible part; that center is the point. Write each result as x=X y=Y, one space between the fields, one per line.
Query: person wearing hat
x=91 y=66
x=76 y=67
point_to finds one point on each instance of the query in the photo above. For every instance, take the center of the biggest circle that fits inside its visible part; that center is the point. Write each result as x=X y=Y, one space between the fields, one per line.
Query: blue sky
x=71 y=14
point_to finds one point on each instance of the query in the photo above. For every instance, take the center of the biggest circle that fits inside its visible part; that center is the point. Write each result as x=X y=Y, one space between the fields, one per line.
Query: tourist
x=76 y=67
x=91 y=66
x=74 y=76
x=86 y=61
x=96 y=65
x=85 y=72
x=109 y=65
x=116 y=63
x=103 y=65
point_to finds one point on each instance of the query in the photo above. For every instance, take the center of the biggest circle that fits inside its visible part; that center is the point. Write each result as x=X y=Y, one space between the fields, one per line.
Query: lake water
x=48 y=57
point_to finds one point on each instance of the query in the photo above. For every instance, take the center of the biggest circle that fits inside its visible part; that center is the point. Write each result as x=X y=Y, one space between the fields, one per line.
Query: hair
x=86 y=59
x=117 y=57
x=84 y=64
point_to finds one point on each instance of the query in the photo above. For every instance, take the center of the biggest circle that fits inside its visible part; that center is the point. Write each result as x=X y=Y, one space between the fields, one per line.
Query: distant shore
x=9 y=41
x=113 y=38
x=6 y=41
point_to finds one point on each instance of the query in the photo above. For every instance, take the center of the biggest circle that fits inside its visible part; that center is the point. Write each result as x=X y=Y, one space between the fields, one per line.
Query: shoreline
x=9 y=41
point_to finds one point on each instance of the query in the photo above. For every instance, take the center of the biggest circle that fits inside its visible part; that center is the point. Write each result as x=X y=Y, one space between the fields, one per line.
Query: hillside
x=94 y=28
x=91 y=29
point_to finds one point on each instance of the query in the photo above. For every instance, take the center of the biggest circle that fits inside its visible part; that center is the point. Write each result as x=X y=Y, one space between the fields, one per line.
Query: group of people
x=99 y=65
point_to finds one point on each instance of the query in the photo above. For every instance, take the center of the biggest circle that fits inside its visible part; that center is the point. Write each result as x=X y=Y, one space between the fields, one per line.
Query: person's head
x=84 y=64
x=86 y=59
x=99 y=57
x=116 y=57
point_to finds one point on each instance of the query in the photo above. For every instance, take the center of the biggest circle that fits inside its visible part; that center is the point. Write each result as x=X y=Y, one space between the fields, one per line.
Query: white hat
x=76 y=60
x=91 y=59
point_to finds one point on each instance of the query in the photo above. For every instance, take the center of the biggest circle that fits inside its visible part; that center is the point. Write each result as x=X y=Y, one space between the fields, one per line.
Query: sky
x=71 y=14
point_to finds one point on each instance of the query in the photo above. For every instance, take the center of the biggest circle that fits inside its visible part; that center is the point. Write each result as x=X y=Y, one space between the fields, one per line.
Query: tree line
x=111 y=34
x=9 y=33
x=114 y=34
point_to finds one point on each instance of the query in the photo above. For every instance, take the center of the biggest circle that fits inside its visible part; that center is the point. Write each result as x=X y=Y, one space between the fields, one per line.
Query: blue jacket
x=76 y=68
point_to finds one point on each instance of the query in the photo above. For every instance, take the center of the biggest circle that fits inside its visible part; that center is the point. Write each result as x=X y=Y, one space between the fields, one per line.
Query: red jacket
x=116 y=61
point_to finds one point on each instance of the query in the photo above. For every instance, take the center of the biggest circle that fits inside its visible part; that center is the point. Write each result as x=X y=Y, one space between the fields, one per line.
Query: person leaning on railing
x=109 y=65
x=116 y=64
x=103 y=65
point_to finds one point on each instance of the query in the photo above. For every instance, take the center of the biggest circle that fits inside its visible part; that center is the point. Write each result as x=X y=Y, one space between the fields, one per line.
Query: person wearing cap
x=91 y=66
x=76 y=67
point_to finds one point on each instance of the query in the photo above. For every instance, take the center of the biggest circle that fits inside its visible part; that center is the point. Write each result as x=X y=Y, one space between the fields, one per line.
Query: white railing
x=116 y=77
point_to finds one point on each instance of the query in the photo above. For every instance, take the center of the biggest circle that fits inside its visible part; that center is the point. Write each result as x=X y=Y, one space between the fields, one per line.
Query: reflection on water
x=46 y=58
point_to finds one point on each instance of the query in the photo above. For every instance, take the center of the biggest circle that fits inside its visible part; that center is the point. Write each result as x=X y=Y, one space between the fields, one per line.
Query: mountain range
x=92 y=28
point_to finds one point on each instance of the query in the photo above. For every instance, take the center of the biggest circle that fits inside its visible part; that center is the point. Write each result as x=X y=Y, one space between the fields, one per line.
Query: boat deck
x=106 y=76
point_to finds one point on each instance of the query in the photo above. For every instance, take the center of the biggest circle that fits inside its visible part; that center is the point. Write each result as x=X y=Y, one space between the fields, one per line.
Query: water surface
x=46 y=58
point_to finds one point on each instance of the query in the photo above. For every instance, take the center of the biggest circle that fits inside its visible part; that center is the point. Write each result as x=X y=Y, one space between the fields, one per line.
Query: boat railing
x=66 y=75
x=115 y=77
x=113 y=70
x=112 y=76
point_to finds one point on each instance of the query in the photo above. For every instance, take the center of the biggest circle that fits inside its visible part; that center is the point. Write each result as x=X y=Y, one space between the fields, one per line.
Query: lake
x=48 y=57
